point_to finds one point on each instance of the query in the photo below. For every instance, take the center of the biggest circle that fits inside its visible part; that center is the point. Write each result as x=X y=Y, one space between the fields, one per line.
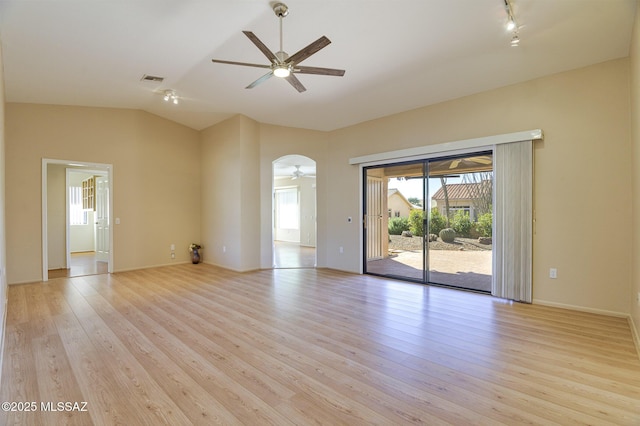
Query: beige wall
x=3 y=260
x=156 y=174
x=230 y=194
x=397 y=203
x=635 y=137
x=585 y=154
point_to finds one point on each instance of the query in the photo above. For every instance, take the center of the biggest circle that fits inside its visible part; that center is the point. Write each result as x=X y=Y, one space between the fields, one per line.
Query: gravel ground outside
x=399 y=242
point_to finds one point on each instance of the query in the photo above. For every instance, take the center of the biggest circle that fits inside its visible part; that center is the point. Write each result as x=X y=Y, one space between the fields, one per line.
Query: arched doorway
x=294 y=212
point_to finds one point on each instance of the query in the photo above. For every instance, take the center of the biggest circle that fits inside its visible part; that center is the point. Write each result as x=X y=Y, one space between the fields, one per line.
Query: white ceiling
x=398 y=54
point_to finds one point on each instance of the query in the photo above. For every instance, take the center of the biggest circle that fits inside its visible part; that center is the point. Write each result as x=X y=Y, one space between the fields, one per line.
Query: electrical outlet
x=173 y=247
x=341 y=250
x=173 y=255
x=638 y=298
x=553 y=273
x=224 y=249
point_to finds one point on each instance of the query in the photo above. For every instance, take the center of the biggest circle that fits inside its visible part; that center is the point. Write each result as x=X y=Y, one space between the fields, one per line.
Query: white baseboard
x=634 y=333
x=138 y=268
x=580 y=308
x=242 y=271
x=634 y=330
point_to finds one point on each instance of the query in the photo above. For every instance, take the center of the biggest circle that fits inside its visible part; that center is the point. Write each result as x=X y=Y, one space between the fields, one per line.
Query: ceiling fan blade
x=305 y=52
x=260 y=45
x=485 y=159
x=293 y=80
x=265 y=77
x=219 y=61
x=319 y=71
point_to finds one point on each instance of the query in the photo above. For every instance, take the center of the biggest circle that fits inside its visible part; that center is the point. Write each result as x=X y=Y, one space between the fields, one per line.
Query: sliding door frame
x=456 y=148
x=425 y=176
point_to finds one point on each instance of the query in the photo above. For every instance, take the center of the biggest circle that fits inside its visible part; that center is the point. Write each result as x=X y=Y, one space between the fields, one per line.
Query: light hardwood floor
x=293 y=255
x=83 y=263
x=195 y=344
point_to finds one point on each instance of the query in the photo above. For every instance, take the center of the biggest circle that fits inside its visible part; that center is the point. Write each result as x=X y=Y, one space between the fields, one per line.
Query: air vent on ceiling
x=152 y=78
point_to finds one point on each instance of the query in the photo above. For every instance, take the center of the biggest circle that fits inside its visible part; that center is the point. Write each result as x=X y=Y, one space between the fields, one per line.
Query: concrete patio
x=465 y=269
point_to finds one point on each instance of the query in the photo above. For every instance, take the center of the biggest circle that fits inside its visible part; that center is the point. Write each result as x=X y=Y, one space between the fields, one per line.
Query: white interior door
x=102 y=219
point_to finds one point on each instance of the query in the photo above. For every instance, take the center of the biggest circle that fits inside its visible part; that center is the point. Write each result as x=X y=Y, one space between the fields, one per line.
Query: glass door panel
x=461 y=202
x=394 y=221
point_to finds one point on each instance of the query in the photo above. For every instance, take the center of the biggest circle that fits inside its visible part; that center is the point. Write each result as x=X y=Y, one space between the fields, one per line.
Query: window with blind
x=77 y=215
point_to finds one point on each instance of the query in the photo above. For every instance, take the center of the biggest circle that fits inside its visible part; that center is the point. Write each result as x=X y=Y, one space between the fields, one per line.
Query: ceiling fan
x=282 y=65
x=297 y=173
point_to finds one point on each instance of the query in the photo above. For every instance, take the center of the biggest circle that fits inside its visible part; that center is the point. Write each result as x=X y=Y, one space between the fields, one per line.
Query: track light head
x=171 y=96
x=512 y=23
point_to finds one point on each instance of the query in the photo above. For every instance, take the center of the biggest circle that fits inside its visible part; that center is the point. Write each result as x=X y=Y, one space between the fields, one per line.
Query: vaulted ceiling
x=398 y=54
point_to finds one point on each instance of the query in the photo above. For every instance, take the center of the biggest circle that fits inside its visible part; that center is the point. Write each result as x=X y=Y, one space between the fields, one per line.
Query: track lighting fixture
x=512 y=24
x=171 y=96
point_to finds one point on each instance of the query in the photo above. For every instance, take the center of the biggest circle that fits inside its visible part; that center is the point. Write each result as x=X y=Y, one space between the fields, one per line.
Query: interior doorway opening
x=76 y=219
x=431 y=221
x=294 y=212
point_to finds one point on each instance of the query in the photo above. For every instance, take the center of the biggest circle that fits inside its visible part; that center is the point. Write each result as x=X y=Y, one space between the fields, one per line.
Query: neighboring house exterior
x=462 y=196
x=398 y=205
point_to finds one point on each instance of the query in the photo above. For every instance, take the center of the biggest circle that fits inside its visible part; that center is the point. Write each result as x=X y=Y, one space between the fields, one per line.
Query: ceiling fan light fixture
x=282 y=72
x=281 y=64
x=515 y=41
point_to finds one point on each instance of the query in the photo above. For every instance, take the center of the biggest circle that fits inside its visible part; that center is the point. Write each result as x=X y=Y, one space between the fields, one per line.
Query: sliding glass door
x=430 y=221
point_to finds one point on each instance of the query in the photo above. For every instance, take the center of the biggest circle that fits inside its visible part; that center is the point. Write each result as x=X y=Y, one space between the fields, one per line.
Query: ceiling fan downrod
x=281 y=10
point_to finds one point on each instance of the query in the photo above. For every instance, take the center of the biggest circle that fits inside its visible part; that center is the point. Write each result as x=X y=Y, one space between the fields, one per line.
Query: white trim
x=361 y=221
x=102 y=167
x=422 y=152
x=580 y=308
x=67 y=231
x=45 y=242
x=634 y=334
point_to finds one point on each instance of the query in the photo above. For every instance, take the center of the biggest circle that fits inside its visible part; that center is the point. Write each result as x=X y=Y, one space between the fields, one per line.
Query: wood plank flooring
x=82 y=263
x=195 y=344
x=293 y=255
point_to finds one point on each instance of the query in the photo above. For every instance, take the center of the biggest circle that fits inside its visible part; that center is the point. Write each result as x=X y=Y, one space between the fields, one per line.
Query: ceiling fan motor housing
x=281 y=10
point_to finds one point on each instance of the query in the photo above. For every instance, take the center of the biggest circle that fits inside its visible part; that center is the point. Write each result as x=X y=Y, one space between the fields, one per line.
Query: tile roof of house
x=458 y=191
